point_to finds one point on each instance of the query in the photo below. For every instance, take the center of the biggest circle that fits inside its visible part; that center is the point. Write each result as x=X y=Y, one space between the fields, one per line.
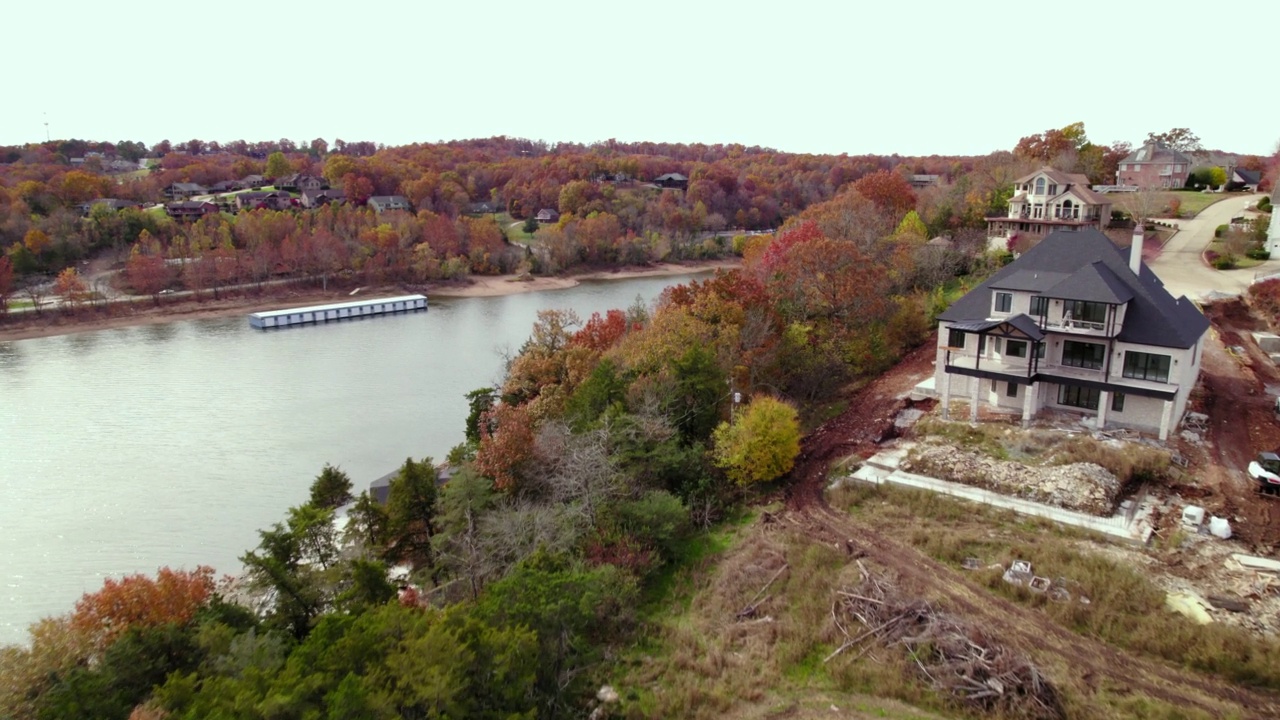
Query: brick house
x=1154 y=166
x=1048 y=200
x=1073 y=325
x=184 y=191
x=190 y=210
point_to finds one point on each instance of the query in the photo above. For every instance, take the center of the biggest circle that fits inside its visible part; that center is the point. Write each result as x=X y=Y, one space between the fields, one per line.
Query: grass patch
x=1218 y=248
x=1192 y=202
x=673 y=583
x=1126 y=609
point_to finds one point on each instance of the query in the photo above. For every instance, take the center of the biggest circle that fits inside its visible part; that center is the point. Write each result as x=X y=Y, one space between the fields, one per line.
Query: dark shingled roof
x=1095 y=283
x=1153 y=316
x=1021 y=321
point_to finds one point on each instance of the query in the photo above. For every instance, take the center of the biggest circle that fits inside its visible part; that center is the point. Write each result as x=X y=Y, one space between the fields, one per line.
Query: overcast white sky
x=914 y=78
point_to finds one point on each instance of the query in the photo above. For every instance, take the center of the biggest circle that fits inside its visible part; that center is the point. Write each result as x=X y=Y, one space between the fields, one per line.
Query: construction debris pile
x=1085 y=487
x=956 y=659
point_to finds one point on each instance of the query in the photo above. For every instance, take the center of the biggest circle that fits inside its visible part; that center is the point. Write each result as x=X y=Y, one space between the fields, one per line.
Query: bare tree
x=581 y=473
x=1143 y=204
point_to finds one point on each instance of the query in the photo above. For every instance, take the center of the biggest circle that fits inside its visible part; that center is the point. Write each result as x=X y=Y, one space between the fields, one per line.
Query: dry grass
x=714 y=661
x=1125 y=608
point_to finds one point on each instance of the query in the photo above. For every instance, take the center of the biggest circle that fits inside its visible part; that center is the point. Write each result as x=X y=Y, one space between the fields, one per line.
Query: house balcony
x=1048 y=371
x=1079 y=327
x=995 y=364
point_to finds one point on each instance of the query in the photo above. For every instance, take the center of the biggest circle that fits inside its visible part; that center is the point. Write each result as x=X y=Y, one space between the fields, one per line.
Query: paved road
x=1181 y=267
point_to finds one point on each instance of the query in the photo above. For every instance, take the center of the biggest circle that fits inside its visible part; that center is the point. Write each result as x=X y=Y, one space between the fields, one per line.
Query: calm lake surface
x=122 y=451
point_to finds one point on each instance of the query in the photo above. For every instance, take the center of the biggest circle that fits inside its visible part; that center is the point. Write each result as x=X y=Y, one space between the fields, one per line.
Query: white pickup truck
x=1265 y=471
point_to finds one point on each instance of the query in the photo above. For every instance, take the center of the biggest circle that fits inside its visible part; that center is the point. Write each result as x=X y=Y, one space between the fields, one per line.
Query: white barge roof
x=335 y=306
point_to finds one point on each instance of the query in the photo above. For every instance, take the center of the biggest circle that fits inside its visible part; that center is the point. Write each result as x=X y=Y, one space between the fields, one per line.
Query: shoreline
x=144 y=312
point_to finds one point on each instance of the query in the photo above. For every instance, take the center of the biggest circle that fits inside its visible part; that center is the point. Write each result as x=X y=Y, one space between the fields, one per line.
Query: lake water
x=126 y=450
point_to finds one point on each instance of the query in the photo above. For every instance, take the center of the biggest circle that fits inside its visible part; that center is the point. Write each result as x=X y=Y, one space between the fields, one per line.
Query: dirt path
x=1242 y=422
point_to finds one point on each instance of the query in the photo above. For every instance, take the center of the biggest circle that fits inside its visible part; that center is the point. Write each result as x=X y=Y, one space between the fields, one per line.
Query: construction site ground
x=1233 y=394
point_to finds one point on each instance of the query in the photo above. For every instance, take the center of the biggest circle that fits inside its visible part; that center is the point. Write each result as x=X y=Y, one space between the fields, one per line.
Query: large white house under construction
x=1074 y=324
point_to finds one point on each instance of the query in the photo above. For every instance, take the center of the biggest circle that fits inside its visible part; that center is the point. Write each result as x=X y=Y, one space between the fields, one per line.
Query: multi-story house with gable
x=1049 y=200
x=1074 y=324
x=1154 y=166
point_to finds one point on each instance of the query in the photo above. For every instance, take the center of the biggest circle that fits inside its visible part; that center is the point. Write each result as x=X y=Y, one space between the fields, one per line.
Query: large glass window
x=1015 y=348
x=1039 y=186
x=1146 y=366
x=955 y=338
x=1071 y=396
x=1117 y=402
x=1039 y=305
x=1087 y=311
x=1083 y=355
x=1004 y=302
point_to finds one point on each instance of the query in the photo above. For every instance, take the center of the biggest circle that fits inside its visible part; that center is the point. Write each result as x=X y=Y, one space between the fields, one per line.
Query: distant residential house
x=671 y=180
x=380 y=489
x=483 y=208
x=225 y=186
x=253 y=181
x=317 y=198
x=1074 y=324
x=1049 y=200
x=184 y=191
x=1154 y=165
x=110 y=203
x=383 y=203
x=190 y=209
x=276 y=200
x=120 y=165
x=1246 y=180
x=547 y=215
x=924 y=181
x=298 y=183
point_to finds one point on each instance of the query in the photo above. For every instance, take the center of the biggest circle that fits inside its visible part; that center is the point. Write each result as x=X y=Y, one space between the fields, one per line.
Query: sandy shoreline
x=144 y=312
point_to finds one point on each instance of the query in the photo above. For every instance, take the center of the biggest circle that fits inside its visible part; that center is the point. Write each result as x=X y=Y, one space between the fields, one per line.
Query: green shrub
x=1264 y=205
x=1221 y=230
x=1224 y=262
x=1258 y=253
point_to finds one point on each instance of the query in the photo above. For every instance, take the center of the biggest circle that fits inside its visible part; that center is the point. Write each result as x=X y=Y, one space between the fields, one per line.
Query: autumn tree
x=139 y=601
x=6 y=283
x=71 y=288
x=146 y=271
x=506 y=445
x=889 y=191
x=760 y=444
x=1180 y=139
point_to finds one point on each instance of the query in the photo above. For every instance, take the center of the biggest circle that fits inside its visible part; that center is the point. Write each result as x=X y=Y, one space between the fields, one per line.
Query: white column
x=1104 y=402
x=973 y=399
x=946 y=395
x=1166 y=418
x=1029 y=403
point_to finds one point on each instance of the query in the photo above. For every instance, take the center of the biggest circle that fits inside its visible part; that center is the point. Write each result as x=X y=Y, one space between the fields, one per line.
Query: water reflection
x=10 y=355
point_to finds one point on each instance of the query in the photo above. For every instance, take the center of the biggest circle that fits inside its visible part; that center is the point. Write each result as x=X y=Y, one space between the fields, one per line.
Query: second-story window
x=1087 y=311
x=1039 y=305
x=1004 y=302
x=1039 y=186
x=1083 y=355
x=1146 y=366
x=955 y=338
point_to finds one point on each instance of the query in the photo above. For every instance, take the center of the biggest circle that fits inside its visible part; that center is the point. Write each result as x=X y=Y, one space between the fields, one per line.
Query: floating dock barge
x=337 y=311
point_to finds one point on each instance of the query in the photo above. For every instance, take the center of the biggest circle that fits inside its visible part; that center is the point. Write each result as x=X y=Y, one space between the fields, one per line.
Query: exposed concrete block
x=1269 y=342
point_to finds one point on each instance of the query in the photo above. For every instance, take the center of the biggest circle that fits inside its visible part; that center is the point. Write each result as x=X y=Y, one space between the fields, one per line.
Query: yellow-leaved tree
x=760 y=444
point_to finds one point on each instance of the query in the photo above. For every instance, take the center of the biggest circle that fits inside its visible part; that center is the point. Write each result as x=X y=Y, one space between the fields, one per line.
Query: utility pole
x=46 y=127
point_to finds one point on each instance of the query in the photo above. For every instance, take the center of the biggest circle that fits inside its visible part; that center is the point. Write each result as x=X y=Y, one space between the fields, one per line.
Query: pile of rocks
x=1085 y=487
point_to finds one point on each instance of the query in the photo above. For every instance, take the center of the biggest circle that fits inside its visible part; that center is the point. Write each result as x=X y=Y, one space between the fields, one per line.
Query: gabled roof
x=1248 y=177
x=1156 y=153
x=1020 y=324
x=1086 y=265
x=1092 y=283
x=1070 y=182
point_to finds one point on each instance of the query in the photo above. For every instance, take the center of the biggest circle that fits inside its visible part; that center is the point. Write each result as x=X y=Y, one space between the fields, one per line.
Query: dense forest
x=467 y=201
x=501 y=581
